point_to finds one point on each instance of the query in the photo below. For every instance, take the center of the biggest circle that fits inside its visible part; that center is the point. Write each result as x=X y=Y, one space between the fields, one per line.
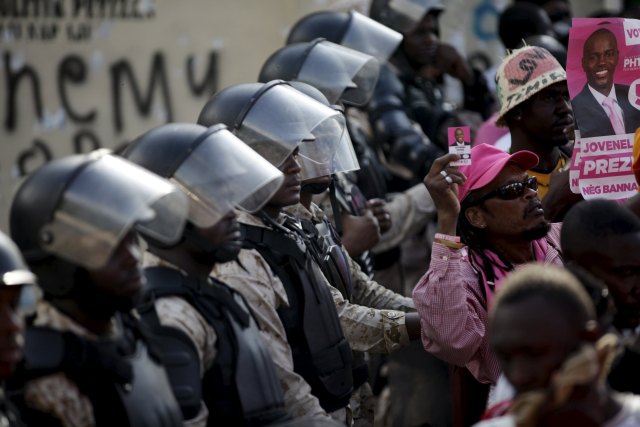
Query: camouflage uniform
x=56 y=394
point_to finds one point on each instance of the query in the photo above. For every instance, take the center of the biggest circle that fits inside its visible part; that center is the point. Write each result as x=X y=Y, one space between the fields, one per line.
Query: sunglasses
x=510 y=191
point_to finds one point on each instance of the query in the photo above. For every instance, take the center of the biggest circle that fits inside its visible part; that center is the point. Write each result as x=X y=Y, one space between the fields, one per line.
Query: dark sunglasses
x=510 y=191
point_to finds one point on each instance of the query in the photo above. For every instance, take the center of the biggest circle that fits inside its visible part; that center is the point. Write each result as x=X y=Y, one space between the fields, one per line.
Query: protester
x=544 y=332
x=490 y=220
x=535 y=106
x=604 y=238
x=88 y=360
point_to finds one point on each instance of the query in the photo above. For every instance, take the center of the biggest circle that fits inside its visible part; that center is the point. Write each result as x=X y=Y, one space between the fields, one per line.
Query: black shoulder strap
x=205 y=297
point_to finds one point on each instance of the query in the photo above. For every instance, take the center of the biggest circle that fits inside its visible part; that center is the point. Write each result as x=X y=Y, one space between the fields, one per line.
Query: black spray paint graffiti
x=73 y=72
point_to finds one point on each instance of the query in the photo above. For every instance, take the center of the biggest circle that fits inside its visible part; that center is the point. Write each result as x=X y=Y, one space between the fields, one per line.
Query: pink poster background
x=581 y=30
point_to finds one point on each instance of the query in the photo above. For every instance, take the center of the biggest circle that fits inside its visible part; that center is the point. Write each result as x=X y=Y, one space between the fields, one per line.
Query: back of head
x=589 y=224
x=522 y=20
x=554 y=285
x=549 y=43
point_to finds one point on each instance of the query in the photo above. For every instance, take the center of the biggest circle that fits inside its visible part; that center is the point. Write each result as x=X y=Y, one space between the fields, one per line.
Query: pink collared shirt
x=453 y=311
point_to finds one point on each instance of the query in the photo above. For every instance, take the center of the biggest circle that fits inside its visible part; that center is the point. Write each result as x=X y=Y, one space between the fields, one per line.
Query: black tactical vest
x=242 y=387
x=321 y=354
x=328 y=253
x=122 y=378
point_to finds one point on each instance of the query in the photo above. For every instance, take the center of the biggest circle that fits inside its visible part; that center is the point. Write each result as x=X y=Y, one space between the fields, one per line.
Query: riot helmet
x=340 y=73
x=403 y=15
x=274 y=119
x=73 y=213
x=349 y=29
x=215 y=169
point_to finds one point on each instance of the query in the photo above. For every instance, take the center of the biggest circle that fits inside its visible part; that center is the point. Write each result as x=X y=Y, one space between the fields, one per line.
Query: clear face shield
x=103 y=202
x=222 y=172
x=371 y=37
x=281 y=119
x=330 y=152
x=340 y=73
x=404 y=15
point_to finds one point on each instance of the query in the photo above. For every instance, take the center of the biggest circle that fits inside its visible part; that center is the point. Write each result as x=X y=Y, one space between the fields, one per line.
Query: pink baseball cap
x=487 y=162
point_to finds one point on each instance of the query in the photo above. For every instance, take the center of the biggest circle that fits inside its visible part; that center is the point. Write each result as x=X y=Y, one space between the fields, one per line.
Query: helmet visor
x=371 y=37
x=340 y=73
x=330 y=152
x=105 y=200
x=279 y=120
x=404 y=15
x=223 y=172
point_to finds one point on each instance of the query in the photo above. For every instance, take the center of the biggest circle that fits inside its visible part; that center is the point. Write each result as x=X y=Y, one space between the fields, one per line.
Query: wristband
x=440 y=236
x=450 y=244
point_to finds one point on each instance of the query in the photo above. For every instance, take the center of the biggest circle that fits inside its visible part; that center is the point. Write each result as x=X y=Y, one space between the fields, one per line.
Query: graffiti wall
x=76 y=75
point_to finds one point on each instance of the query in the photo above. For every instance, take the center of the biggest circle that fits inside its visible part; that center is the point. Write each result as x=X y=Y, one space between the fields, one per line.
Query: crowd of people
x=304 y=254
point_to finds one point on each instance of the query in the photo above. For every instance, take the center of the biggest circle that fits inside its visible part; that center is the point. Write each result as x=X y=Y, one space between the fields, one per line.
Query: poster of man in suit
x=606 y=102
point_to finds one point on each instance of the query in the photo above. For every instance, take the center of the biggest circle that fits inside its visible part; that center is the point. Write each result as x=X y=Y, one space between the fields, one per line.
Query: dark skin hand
x=447 y=60
x=360 y=233
x=559 y=197
x=378 y=208
x=445 y=195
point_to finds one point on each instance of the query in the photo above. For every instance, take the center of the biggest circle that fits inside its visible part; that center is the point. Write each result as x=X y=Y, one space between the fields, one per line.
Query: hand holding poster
x=602 y=66
x=460 y=143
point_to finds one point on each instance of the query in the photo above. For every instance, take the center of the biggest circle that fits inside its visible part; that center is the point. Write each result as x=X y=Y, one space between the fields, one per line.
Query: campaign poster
x=602 y=76
x=460 y=143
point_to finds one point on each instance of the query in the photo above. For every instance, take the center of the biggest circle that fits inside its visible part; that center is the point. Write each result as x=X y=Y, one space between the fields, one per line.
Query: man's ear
x=475 y=216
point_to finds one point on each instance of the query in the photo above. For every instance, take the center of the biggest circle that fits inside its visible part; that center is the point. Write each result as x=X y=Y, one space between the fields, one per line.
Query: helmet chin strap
x=315 y=188
x=215 y=253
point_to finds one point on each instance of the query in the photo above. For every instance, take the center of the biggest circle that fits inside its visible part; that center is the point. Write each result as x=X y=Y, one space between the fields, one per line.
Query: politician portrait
x=602 y=107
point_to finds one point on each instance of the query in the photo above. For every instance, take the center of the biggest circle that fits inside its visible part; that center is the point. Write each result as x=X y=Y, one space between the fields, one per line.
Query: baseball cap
x=524 y=73
x=488 y=162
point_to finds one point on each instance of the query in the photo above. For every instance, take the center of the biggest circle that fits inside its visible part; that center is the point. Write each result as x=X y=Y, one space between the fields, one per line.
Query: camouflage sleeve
x=410 y=211
x=370 y=329
x=177 y=313
x=264 y=292
x=370 y=293
x=59 y=397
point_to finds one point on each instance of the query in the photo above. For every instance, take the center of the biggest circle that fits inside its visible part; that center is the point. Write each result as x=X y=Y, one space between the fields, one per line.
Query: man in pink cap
x=490 y=220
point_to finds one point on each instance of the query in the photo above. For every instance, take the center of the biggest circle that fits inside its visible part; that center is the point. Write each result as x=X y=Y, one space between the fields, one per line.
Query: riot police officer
x=88 y=360
x=221 y=371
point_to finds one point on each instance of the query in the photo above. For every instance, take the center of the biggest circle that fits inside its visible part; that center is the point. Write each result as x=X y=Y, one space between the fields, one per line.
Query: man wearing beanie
x=490 y=220
x=534 y=105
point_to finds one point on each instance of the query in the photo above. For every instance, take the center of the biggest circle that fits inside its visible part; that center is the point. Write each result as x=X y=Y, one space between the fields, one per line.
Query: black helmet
x=340 y=73
x=73 y=212
x=13 y=270
x=274 y=119
x=349 y=29
x=403 y=15
x=212 y=166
